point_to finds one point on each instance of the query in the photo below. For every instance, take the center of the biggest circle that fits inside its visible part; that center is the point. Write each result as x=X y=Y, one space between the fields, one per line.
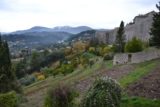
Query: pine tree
x=120 y=38
x=155 y=30
x=7 y=78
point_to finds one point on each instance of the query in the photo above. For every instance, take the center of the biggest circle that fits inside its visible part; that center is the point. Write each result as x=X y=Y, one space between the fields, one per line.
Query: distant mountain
x=73 y=30
x=68 y=29
x=32 y=40
x=41 y=37
x=40 y=34
x=33 y=30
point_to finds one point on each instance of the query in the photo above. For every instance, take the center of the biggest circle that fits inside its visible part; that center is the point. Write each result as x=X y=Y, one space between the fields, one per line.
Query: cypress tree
x=120 y=38
x=155 y=30
x=7 y=78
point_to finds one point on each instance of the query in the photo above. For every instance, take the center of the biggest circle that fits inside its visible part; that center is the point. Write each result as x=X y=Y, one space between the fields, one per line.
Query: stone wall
x=120 y=59
x=102 y=36
x=136 y=57
x=140 y=27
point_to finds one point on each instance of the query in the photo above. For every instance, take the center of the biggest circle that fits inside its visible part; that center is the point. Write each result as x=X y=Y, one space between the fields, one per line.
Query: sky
x=24 y=14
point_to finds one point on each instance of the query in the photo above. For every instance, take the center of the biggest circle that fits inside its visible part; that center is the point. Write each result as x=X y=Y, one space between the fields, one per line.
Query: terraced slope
x=81 y=79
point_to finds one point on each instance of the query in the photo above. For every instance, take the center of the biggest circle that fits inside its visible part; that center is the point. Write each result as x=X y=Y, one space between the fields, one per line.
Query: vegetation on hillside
x=134 y=45
x=77 y=64
x=8 y=82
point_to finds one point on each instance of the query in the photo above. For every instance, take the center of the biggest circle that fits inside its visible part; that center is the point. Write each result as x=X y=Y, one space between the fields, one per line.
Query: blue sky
x=23 y=14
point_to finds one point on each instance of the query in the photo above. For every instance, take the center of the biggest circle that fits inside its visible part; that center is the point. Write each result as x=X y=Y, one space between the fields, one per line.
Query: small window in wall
x=129 y=57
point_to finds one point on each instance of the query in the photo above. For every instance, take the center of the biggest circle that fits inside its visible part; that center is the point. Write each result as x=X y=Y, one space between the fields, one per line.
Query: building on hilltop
x=140 y=27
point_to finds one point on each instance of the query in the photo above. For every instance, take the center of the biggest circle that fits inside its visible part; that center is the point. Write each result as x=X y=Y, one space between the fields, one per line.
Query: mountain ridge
x=68 y=29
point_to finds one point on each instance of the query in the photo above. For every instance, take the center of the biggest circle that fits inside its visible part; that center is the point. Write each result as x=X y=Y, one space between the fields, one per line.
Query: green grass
x=80 y=74
x=108 y=64
x=139 y=102
x=140 y=71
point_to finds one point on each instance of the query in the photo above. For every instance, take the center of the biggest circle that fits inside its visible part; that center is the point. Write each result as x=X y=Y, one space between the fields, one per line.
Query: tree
x=120 y=38
x=35 y=61
x=7 y=77
x=20 y=68
x=155 y=30
x=135 y=45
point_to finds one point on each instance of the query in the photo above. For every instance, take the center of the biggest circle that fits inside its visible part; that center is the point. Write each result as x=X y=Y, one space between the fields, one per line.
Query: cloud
x=22 y=14
x=4 y=5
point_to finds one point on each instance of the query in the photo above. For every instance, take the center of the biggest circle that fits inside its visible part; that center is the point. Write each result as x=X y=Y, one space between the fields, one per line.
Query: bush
x=29 y=79
x=47 y=71
x=41 y=77
x=62 y=96
x=92 y=50
x=64 y=69
x=105 y=92
x=106 y=50
x=135 y=45
x=8 y=99
x=108 y=57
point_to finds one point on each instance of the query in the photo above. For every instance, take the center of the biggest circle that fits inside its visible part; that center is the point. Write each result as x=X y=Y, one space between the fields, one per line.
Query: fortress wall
x=136 y=57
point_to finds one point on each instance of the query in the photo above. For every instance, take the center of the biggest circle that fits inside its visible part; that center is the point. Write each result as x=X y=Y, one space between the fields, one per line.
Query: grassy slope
x=142 y=70
x=139 y=102
x=77 y=75
x=80 y=74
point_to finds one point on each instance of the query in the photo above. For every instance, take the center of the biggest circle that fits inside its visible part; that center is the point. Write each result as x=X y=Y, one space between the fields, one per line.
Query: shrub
x=29 y=79
x=40 y=77
x=47 y=71
x=62 y=96
x=91 y=62
x=64 y=69
x=92 y=50
x=108 y=57
x=106 y=50
x=8 y=99
x=135 y=45
x=105 y=92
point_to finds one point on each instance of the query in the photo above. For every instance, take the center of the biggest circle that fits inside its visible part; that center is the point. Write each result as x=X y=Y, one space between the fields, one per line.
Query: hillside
x=68 y=29
x=127 y=75
x=39 y=37
x=33 y=40
x=85 y=36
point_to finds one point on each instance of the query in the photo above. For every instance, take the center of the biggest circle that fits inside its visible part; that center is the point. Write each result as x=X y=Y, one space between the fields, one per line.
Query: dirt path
x=36 y=98
x=115 y=73
x=148 y=86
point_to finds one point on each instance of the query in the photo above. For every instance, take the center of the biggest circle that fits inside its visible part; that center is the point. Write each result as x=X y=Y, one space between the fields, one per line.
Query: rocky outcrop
x=140 y=27
x=106 y=37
